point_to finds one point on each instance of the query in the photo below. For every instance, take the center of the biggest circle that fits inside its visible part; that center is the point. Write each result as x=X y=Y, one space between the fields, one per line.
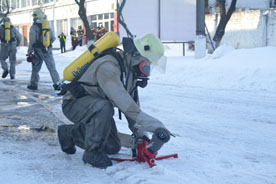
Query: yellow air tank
x=109 y=40
x=45 y=33
x=7 y=31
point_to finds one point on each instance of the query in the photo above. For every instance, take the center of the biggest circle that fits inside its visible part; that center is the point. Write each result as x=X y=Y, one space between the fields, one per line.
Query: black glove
x=64 y=89
x=75 y=89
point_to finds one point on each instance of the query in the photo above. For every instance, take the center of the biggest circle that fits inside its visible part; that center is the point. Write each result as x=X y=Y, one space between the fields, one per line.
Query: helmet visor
x=161 y=65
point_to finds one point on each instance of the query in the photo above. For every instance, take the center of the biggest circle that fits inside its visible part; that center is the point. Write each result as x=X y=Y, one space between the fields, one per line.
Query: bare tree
x=4 y=9
x=224 y=18
x=120 y=17
x=83 y=16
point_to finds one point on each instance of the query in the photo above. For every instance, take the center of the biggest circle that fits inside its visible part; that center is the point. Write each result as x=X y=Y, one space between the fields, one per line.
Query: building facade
x=62 y=15
x=253 y=24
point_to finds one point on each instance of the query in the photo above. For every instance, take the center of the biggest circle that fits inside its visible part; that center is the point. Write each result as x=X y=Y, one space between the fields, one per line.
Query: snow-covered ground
x=221 y=109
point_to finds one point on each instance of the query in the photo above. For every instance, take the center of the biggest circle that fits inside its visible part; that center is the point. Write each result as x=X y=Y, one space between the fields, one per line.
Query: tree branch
x=83 y=16
x=221 y=5
x=231 y=9
x=224 y=18
x=120 y=18
x=77 y=2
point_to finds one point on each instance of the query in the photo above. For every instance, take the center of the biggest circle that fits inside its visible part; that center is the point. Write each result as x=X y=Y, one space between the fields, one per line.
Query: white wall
x=247 y=29
x=250 y=4
x=271 y=29
x=177 y=19
x=100 y=6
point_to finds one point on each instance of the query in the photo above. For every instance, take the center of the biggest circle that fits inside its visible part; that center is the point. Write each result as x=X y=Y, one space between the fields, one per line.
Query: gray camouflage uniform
x=94 y=127
x=41 y=54
x=8 y=50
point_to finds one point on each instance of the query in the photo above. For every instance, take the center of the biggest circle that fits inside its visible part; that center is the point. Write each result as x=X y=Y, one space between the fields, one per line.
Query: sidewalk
x=20 y=107
x=34 y=110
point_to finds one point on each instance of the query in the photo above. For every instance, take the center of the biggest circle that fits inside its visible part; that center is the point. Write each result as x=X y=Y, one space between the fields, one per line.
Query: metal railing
x=183 y=45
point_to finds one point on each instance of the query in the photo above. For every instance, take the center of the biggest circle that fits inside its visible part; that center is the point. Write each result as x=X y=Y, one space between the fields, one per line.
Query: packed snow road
x=222 y=136
x=221 y=133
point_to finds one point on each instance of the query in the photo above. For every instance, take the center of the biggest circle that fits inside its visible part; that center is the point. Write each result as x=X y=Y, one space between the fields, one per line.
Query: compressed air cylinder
x=45 y=33
x=7 y=31
x=109 y=40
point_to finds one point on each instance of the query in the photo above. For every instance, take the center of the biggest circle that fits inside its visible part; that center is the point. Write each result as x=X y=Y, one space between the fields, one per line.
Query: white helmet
x=151 y=47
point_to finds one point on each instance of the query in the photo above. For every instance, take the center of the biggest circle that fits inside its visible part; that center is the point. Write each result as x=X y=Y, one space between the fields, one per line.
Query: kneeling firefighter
x=111 y=81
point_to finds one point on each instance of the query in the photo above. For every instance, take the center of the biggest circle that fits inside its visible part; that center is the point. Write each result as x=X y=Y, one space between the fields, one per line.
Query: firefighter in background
x=94 y=33
x=80 y=35
x=62 y=40
x=10 y=39
x=40 y=49
x=74 y=41
x=72 y=30
x=100 y=32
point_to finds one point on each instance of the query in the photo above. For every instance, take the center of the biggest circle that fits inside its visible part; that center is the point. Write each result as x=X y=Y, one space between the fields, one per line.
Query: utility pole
x=159 y=19
x=200 y=40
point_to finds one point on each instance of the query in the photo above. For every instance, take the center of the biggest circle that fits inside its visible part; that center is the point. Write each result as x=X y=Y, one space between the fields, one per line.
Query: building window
x=3 y=6
x=93 y=17
x=75 y=23
x=106 y=25
x=48 y=1
x=106 y=19
x=51 y=24
x=25 y=3
x=100 y=17
x=34 y=2
x=106 y=16
x=14 y=4
x=94 y=24
x=62 y=26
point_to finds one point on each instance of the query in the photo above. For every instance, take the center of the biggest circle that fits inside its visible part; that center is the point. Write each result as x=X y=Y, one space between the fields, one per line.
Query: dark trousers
x=94 y=127
x=80 y=42
x=62 y=47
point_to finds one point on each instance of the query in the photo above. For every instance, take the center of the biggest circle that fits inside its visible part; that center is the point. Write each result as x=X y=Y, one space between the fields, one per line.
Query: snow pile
x=247 y=69
x=222 y=51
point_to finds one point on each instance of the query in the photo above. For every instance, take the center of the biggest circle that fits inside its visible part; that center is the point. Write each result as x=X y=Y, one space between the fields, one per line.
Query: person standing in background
x=62 y=40
x=10 y=39
x=80 y=35
x=100 y=32
x=74 y=41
